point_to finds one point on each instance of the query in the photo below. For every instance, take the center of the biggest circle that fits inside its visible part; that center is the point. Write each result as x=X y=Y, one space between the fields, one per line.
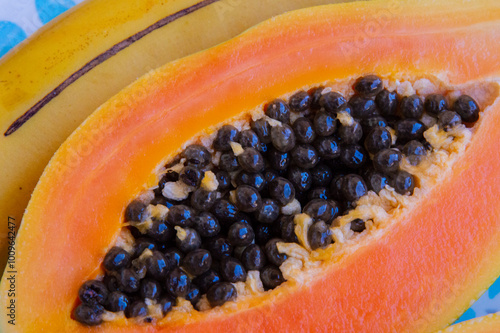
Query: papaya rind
x=486 y=324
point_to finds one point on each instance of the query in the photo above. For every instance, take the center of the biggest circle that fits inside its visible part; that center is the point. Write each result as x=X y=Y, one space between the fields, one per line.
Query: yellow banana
x=53 y=81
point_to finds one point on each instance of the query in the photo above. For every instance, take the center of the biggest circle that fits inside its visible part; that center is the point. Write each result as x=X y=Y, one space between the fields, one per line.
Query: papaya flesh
x=384 y=285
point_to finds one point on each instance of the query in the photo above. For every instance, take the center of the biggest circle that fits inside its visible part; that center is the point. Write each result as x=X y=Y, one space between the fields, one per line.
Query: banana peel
x=54 y=80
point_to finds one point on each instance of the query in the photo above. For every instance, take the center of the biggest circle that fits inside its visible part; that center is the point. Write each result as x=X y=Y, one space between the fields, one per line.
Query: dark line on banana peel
x=100 y=59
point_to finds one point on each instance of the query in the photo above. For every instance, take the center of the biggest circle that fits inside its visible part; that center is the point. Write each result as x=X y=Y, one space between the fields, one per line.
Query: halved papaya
x=414 y=272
